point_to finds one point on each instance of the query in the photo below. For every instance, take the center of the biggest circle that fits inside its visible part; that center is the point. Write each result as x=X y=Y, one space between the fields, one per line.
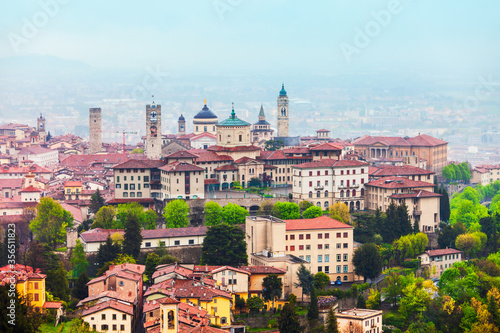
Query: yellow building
x=29 y=284
x=72 y=190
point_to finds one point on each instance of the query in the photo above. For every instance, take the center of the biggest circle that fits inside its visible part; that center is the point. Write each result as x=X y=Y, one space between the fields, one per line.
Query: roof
x=181 y=154
x=333 y=163
x=283 y=91
x=326 y=146
x=238 y=148
x=205 y=113
x=230 y=268
x=441 y=252
x=426 y=141
x=227 y=167
x=398 y=182
x=139 y=164
x=205 y=329
x=416 y=194
x=384 y=170
x=125 y=308
x=180 y=167
x=320 y=222
x=73 y=183
x=172 y=268
x=289 y=141
x=100 y=235
x=203 y=135
x=35 y=150
x=233 y=120
x=420 y=140
x=209 y=156
x=30 y=189
x=11 y=183
x=322 y=130
x=52 y=305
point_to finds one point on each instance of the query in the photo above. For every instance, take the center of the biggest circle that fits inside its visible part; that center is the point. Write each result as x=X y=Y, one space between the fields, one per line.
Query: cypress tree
x=332 y=326
x=390 y=230
x=80 y=290
x=288 y=320
x=361 y=304
x=444 y=204
x=313 y=312
x=403 y=219
x=133 y=237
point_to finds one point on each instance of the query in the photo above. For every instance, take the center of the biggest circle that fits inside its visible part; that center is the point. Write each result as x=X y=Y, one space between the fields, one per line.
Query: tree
x=460 y=282
x=104 y=218
x=490 y=226
x=224 y=245
x=448 y=234
x=137 y=151
x=306 y=280
x=78 y=259
x=272 y=288
x=390 y=230
x=272 y=145
x=96 y=202
x=213 y=213
x=255 y=303
x=321 y=280
x=367 y=261
x=107 y=252
x=469 y=243
x=234 y=214
x=152 y=261
x=304 y=204
x=81 y=290
x=150 y=220
x=133 y=238
x=332 y=326
x=50 y=224
x=339 y=211
x=312 y=212
x=255 y=182
x=286 y=210
x=239 y=302
x=265 y=208
x=176 y=214
x=313 y=312
x=16 y=316
x=361 y=303
x=288 y=320
x=444 y=204
x=58 y=282
x=374 y=299
x=417 y=296
x=403 y=219
x=448 y=172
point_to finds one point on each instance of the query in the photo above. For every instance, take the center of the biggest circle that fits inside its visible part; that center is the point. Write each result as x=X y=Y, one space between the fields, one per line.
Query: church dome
x=181 y=118
x=205 y=113
x=283 y=91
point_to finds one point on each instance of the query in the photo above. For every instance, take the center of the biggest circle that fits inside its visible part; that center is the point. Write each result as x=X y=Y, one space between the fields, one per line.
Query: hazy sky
x=252 y=35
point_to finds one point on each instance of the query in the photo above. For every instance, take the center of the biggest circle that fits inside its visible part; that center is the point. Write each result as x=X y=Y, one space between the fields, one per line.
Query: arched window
x=318 y=194
x=353 y=193
x=347 y=194
x=310 y=194
x=362 y=191
x=326 y=204
x=326 y=194
x=318 y=204
x=342 y=193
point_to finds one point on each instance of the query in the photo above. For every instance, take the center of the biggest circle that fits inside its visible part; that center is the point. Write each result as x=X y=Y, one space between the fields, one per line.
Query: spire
x=261 y=113
x=205 y=100
x=283 y=91
x=233 y=115
x=153 y=97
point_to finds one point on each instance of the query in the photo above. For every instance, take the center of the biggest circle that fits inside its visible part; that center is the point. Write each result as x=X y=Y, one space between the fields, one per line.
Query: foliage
x=460 y=282
x=58 y=282
x=105 y=218
x=292 y=299
x=272 y=288
x=255 y=303
x=149 y=220
x=51 y=221
x=152 y=261
x=272 y=145
x=137 y=151
x=490 y=226
x=417 y=296
x=255 y=182
x=470 y=243
x=313 y=311
x=321 y=280
x=361 y=302
x=367 y=261
x=107 y=252
x=449 y=234
x=304 y=204
x=306 y=280
x=374 y=299
x=288 y=320
x=96 y=202
x=332 y=325
x=239 y=302
x=340 y=211
x=286 y=210
x=224 y=245
x=460 y=172
x=234 y=214
x=176 y=214
x=444 y=204
x=312 y=212
x=78 y=259
x=132 y=239
x=397 y=223
x=124 y=211
x=410 y=246
x=213 y=213
x=393 y=286
x=24 y=319
x=80 y=290
x=367 y=226
x=265 y=208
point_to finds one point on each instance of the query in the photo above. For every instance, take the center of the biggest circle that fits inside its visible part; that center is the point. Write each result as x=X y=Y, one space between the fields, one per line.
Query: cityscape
x=249 y=167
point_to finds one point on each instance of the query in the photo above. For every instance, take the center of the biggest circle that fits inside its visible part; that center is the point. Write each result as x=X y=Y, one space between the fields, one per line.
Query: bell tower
x=40 y=127
x=283 y=117
x=181 y=129
x=95 y=130
x=153 y=131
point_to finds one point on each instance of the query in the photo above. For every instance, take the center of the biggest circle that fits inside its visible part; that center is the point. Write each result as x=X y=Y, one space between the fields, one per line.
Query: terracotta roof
x=205 y=329
x=211 y=181
x=244 y=160
x=249 y=269
x=326 y=146
x=12 y=183
x=172 y=268
x=333 y=163
x=181 y=154
x=180 y=167
x=425 y=141
x=202 y=135
x=34 y=168
x=296 y=150
x=230 y=268
x=416 y=194
x=73 y=183
x=35 y=150
x=238 y=148
x=52 y=305
x=125 y=308
x=139 y=164
x=30 y=189
x=272 y=155
x=391 y=170
x=108 y=294
x=420 y=140
x=442 y=252
x=398 y=182
x=227 y=167
x=320 y=222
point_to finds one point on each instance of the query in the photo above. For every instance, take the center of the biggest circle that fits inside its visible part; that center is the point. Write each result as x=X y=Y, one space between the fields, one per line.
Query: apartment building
x=485 y=174
x=360 y=320
x=30 y=283
x=419 y=197
x=327 y=181
x=440 y=260
x=180 y=180
x=406 y=171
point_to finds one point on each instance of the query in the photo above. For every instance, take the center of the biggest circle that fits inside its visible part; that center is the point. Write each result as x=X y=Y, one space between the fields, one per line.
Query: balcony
x=417 y=212
x=318 y=188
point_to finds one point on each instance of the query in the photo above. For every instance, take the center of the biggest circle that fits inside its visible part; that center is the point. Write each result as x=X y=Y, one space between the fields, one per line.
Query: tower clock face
x=152 y=116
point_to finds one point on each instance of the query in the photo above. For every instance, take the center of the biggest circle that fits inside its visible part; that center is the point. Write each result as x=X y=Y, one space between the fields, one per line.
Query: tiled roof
x=209 y=156
x=416 y=194
x=333 y=163
x=35 y=168
x=238 y=148
x=35 y=150
x=326 y=146
x=100 y=235
x=172 y=268
x=398 y=182
x=73 y=183
x=391 y=170
x=108 y=294
x=211 y=182
x=86 y=160
x=244 y=160
x=297 y=150
x=205 y=329
x=13 y=183
x=442 y=252
x=230 y=268
x=180 y=167
x=30 y=189
x=125 y=308
x=226 y=167
x=425 y=141
x=52 y=305
x=139 y=164
x=181 y=154
x=204 y=135
x=272 y=155
x=420 y=140
x=249 y=269
x=320 y=222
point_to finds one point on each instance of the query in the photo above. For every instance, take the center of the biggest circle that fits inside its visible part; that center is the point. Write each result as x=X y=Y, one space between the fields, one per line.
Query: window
x=301 y=236
x=320 y=258
x=320 y=246
x=114 y=316
x=117 y=179
x=339 y=245
x=327 y=235
x=345 y=235
x=327 y=246
x=310 y=184
x=320 y=236
x=132 y=187
x=177 y=242
x=346 y=245
x=327 y=258
x=124 y=317
x=301 y=247
x=310 y=194
x=346 y=269
x=148 y=244
x=292 y=237
x=327 y=269
x=346 y=256
x=308 y=258
x=104 y=327
x=191 y=241
x=319 y=173
x=318 y=194
x=114 y=327
x=292 y=248
x=339 y=258
x=308 y=247
x=310 y=173
x=121 y=283
x=122 y=327
x=308 y=236
x=339 y=268
x=338 y=234
x=36 y=297
x=326 y=172
x=146 y=178
x=125 y=187
x=320 y=269
x=103 y=316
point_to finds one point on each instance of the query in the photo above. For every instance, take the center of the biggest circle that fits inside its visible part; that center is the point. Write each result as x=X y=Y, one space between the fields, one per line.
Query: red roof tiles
x=320 y=222
x=398 y=182
x=325 y=163
x=125 y=308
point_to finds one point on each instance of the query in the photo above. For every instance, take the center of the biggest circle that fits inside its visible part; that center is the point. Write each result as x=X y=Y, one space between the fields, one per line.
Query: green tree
x=361 y=303
x=367 y=261
x=255 y=303
x=132 y=239
x=152 y=261
x=312 y=212
x=444 y=204
x=286 y=210
x=96 y=202
x=321 y=280
x=81 y=290
x=176 y=214
x=23 y=319
x=234 y=214
x=124 y=211
x=469 y=243
x=272 y=288
x=460 y=282
x=78 y=260
x=104 y=218
x=265 y=208
x=107 y=252
x=448 y=172
x=417 y=296
x=466 y=173
x=332 y=326
x=239 y=302
x=51 y=221
x=288 y=320
x=490 y=226
x=374 y=299
x=340 y=212
x=150 y=220
x=224 y=245
x=313 y=312
x=390 y=230
x=449 y=234
x=272 y=145
x=306 y=280
x=58 y=282
x=304 y=204
x=255 y=182
x=292 y=299
x=393 y=286
x=213 y=213
x=403 y=220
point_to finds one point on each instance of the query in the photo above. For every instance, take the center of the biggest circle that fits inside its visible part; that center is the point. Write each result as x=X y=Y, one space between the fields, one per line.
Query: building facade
x=261 y=131
x=205 y=121
x=153 y=131
x=283 y=113
x=95 y=130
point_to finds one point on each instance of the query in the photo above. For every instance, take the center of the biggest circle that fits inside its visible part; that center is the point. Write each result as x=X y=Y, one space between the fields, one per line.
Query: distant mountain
x=40 y=64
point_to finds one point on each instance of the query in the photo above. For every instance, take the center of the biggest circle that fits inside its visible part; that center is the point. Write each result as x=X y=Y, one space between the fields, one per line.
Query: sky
x=254 y=36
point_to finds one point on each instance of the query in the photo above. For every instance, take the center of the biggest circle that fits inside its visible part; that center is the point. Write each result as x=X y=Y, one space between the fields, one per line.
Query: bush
x=394 y=319
x=273 y=323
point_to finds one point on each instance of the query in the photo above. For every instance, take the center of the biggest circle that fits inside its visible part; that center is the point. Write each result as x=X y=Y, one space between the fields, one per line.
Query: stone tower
x=40 y=127
x=153 y=131
x=283 y=113
x=95 y=130
x=181 y=130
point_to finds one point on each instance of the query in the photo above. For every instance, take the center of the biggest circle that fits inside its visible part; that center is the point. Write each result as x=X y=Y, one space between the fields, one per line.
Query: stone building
x=95 y=130
x=283 y=115
x=205 y=121
x=153 y=131
x=261 y=131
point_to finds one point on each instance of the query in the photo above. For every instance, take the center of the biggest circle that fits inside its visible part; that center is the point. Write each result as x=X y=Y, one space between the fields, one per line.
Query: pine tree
x=96 y=202
x=107 y=252
x=390 y=230
x=361 y=304
x=444 y=204
x=133 y=237
x=403 y=219
x=288 y=320
x=313 y=312
x=80 y=290
x=332 y=326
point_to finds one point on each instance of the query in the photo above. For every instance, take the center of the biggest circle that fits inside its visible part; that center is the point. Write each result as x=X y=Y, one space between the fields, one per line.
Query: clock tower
x=283 y=117
x=153 y=131
x=40 y=122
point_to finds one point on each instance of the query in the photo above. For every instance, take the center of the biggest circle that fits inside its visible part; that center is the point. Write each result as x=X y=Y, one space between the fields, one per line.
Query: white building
x=39 y=155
